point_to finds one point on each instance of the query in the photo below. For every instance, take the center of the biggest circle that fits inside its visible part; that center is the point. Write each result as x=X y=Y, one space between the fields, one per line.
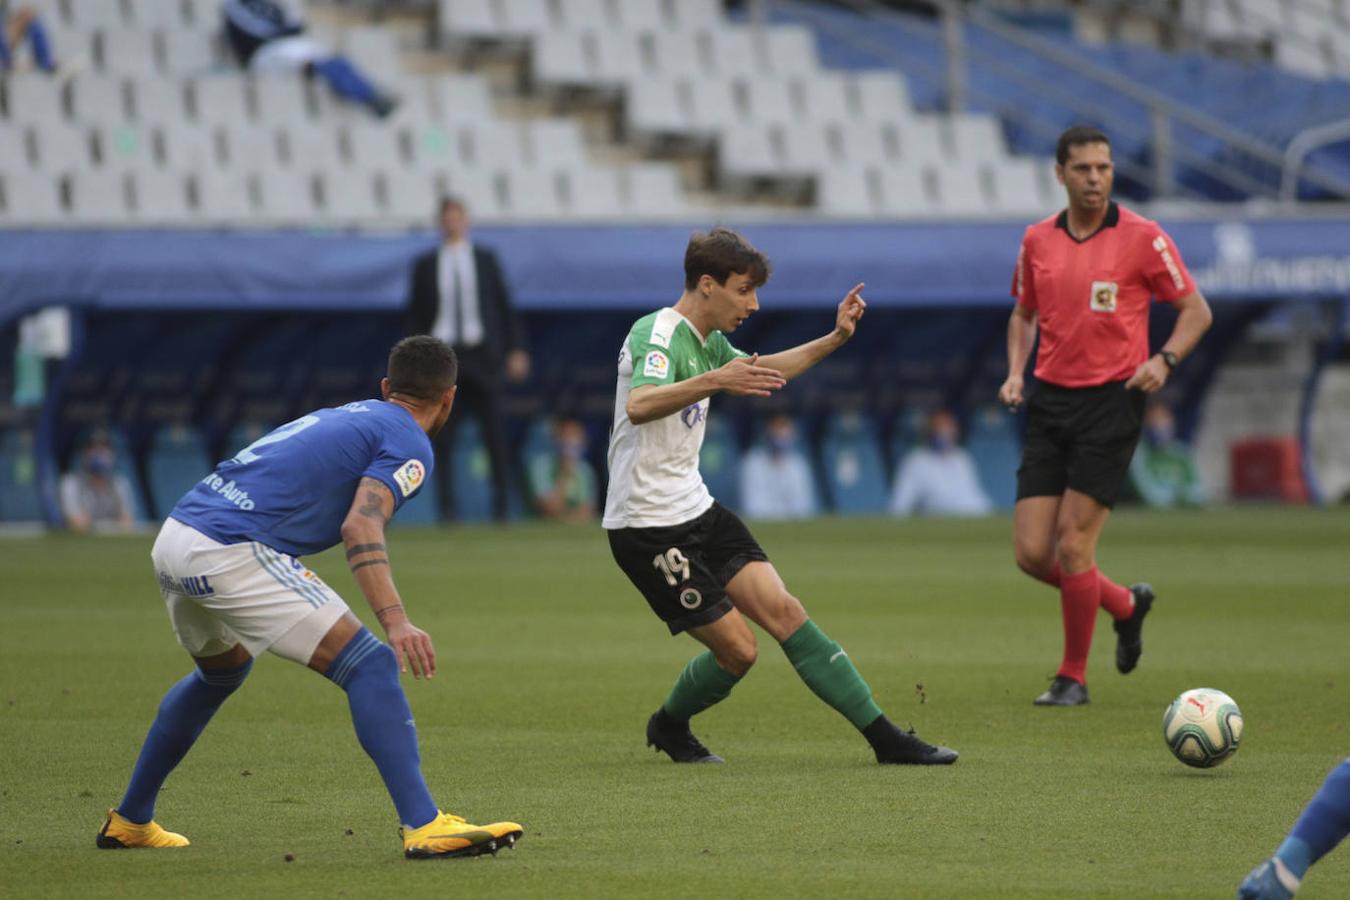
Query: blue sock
x=42 y=48
x=346 y=81
x=1324 y=822
x=368 y=671
x=183 y=713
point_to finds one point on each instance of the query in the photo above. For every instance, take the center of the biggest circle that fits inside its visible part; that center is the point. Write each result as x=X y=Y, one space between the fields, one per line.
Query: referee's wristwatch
x=1170 y=358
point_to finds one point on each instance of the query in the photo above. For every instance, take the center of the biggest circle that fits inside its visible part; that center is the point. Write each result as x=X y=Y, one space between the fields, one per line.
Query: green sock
x=702 y=683
x=829 y=673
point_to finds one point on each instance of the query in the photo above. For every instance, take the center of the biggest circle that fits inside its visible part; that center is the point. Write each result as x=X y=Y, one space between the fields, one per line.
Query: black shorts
x=683 y=569
x=1080 y=438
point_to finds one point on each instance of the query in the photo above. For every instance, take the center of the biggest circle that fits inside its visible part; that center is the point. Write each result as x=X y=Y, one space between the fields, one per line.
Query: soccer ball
x=1203 y=727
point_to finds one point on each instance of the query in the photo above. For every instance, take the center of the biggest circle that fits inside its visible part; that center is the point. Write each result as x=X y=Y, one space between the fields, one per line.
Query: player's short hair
x=720 y=253
x=1077 y=136
x=422 y=367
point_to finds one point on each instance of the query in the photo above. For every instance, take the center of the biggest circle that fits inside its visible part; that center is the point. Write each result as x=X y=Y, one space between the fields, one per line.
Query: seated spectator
x=1162 y=471
x=563 y=484
x=16 y=26
x=267 y=37
x=938 y=478
x=93 y=495
x=776 y=480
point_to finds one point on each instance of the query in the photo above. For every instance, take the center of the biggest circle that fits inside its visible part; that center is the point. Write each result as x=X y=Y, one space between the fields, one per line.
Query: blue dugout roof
x=610 y=267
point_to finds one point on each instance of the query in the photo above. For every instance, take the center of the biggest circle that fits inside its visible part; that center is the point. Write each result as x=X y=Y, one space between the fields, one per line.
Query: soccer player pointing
x=227 y=560
x=696 y=563
x=1085 y=278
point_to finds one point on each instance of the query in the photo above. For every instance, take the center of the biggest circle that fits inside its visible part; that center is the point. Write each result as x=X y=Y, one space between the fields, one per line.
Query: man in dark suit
x=458 y=294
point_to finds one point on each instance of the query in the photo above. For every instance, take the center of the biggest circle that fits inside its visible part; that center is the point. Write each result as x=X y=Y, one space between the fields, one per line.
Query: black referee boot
x=1129 y=632
x=1064 y=691
x=674 y=738
x=894 y=746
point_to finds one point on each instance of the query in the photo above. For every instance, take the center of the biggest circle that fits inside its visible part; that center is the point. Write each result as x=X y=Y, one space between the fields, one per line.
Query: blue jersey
x=292 y=488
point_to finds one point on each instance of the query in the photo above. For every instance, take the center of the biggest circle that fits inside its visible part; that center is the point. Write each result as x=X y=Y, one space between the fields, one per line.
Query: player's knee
x=738 y=656
x=226 y=680
x=1035 y=561
x=1074 y=549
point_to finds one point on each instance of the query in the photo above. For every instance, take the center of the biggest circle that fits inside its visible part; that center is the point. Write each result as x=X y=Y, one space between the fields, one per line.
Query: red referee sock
x=1079 y=597
x=1116 y=599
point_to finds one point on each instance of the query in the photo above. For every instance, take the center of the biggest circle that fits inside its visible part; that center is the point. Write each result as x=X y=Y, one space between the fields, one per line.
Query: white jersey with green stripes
x=653 y=467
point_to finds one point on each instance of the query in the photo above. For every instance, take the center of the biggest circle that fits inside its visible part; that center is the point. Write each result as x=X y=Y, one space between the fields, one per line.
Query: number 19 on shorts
x=670 y=563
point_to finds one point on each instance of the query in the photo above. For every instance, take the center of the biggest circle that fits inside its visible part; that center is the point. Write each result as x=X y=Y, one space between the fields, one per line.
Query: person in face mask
x=93 y=495
x=564 y=484
x=938 y=478
x=1162 y=472
x=776 y=480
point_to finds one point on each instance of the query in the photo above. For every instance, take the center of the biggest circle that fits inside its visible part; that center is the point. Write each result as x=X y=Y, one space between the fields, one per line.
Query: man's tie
x=457 y=298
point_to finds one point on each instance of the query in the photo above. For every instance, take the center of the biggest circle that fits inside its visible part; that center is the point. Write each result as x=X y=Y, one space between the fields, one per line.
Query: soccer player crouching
x=228 y=565
x=696 y=563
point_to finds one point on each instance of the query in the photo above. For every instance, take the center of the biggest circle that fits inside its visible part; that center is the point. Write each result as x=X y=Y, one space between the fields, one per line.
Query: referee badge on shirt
x=1104 y=296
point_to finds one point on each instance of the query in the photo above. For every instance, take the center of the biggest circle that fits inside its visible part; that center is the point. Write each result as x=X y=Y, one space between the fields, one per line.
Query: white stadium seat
x=126 y=147
x=532 y=194
x=960 y=189
x=847 y=191
x=247 y=145
x=691 y=15
x=462 y=98
x=653 y=191
x=584 y=15
x=641 y=15
x=91 y=15
x=746 y=151
x=161 y=198
x=221 y=100
x=373 y=146
x=60 y=147
x=156 y=99
x=348 y=196
x=285 y=198
x=770 y=101
x=191 y=147
x=882 y=97
x=825 y=98
x=593 y=193
x=128 y=50
x=556 y=142
x=976 y=138
x=713 y=103
x=190 y=53
x=497 y=145
x=31 y=199
x=467 y=19
x=526 y=18
x=790 y=51
x=435 y=148
x=654 y=107
x=1017 y=186
x=99 y=198
x=863 y=142
x=560 y=60
x=97 y=99
x=732 y=52
x=162 y=14
x=807 y=148
x=32 y=97
x=408 y=195
x=311 y=145
x=921 y=141
x=904 y=192
x=223 y=197
x=280 y=99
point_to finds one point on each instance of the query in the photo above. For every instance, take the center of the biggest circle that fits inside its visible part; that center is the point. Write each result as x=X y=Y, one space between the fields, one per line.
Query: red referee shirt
x=1092 y=296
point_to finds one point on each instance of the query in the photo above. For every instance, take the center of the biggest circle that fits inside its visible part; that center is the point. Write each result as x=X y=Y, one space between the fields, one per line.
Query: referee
x=1085 y=277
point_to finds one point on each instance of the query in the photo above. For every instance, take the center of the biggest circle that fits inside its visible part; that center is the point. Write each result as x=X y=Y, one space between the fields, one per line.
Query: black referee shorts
x=683 y=569
x=1080 y=438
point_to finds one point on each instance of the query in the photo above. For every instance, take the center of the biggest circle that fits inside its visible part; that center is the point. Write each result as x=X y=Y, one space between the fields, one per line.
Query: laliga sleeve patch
x=657 y=365
x=409 y=477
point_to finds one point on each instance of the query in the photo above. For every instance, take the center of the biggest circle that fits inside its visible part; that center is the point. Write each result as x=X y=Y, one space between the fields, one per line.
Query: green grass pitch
x=550 y=664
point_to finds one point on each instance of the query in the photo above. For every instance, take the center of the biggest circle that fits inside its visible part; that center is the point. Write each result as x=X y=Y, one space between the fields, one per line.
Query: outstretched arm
x=367 y=557
x=793 y=362
x=743 y=377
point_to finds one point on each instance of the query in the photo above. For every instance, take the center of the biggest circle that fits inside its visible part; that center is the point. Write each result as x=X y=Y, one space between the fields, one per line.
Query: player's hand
x=744 y=377
x=1010 y=393
x=412 y=647
x=1150 y=376
x=851 y=309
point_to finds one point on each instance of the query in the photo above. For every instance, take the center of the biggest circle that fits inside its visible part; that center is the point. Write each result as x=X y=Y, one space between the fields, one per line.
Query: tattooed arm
x=363 y=536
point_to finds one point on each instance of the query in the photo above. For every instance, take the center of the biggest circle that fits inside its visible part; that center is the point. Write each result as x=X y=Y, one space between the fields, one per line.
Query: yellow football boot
x=118 y=833
x=447 y=835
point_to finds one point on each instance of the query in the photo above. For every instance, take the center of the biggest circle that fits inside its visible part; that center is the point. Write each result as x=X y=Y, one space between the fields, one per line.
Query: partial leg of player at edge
x=1324 y=824
x=234 y=587
x=757 y=592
